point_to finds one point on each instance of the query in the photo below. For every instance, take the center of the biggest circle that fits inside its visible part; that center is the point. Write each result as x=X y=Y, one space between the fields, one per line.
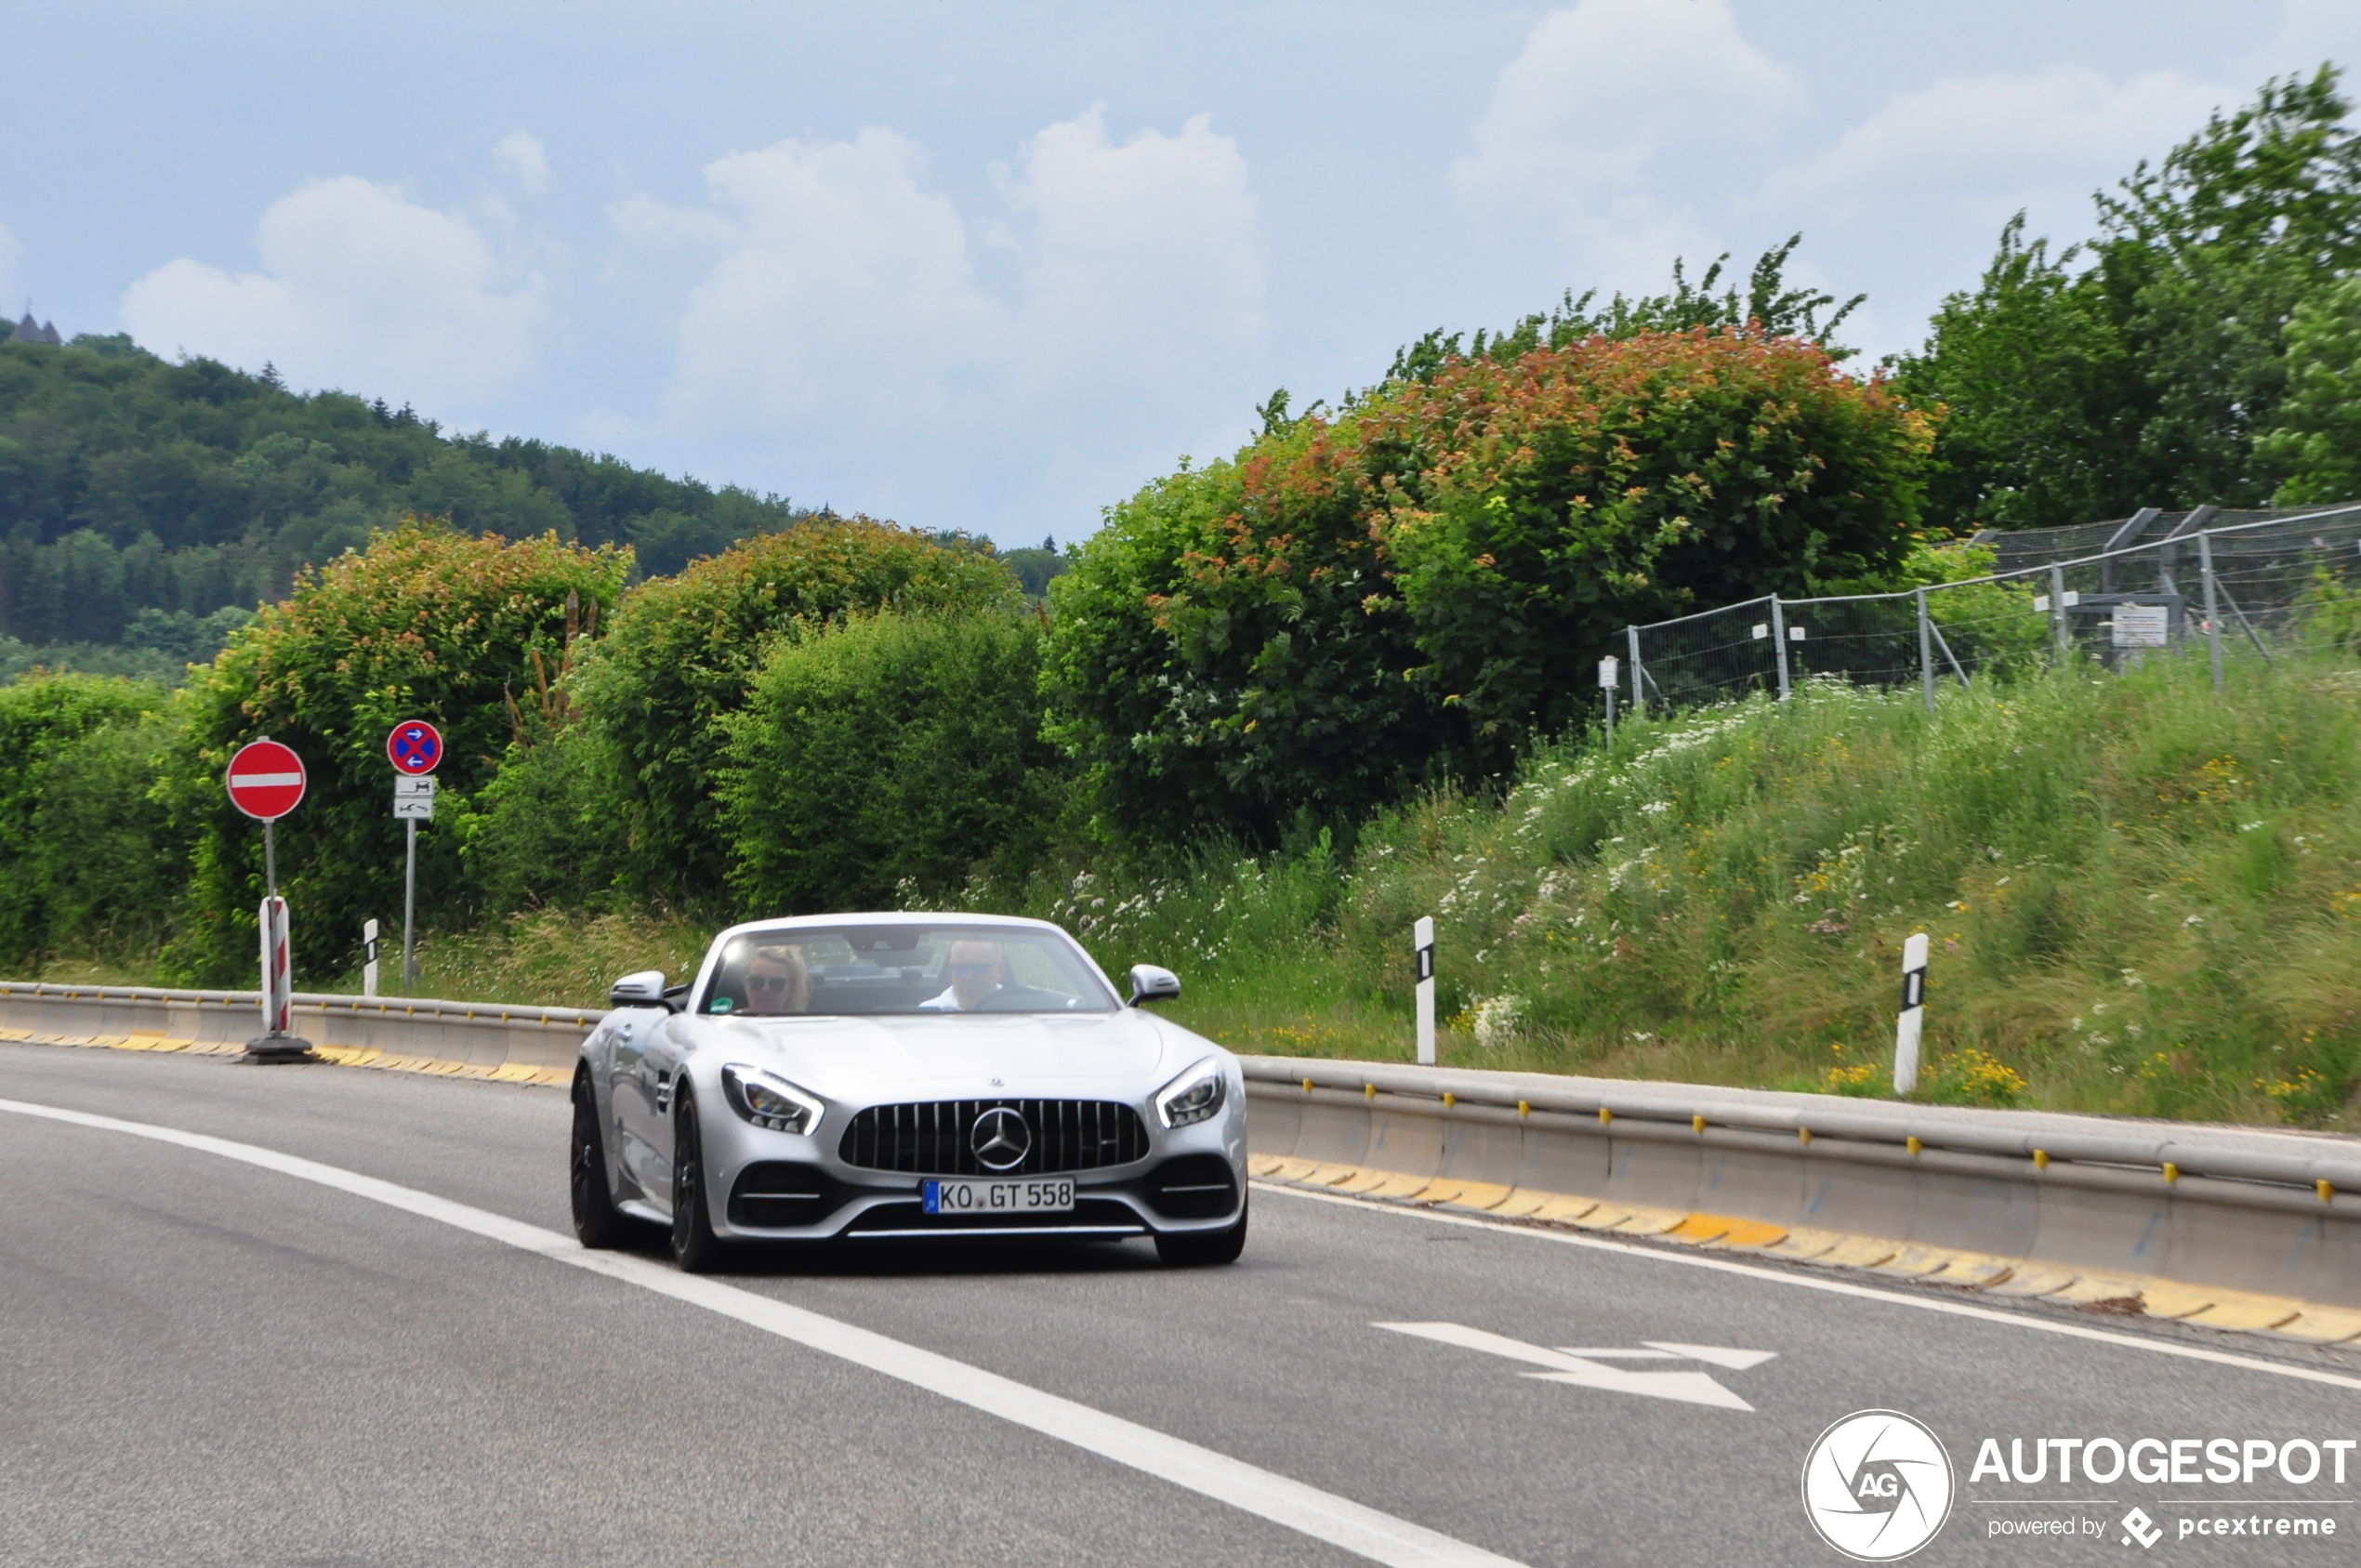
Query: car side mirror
x=643 y=989
x=1150 y=983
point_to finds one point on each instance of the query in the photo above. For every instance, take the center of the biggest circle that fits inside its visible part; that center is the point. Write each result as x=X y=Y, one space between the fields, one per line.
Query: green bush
x=887 y=757
x=1421 y=588
x=87 y=864
x=424 y=624
x=683 y=651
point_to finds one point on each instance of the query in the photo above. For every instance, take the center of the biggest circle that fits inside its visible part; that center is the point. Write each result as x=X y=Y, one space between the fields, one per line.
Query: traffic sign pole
x=410 y=915
x=416 y=750
x=266 y=781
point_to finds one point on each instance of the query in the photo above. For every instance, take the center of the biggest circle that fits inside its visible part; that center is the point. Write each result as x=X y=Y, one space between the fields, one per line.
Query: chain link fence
x=2276 y=582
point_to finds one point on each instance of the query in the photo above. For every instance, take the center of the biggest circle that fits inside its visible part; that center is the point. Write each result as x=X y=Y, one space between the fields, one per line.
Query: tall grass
x=2142 y=899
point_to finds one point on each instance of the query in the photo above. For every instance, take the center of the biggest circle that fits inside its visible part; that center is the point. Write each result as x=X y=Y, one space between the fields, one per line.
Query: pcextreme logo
x=1877 y=1486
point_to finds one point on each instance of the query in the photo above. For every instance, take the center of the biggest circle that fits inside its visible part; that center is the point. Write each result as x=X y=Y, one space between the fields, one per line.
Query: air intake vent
x=936 y=1138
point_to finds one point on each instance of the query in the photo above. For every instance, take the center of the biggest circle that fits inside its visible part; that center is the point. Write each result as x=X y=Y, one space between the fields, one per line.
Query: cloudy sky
x=993 y=266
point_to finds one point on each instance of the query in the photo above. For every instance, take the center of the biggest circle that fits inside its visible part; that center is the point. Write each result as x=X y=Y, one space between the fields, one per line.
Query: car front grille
x=933 y=1137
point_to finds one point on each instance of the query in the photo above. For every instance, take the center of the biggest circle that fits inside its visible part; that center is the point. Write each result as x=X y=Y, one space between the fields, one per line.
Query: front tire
x=694 y=1246
x=597 y=1222
x=1204 y=1249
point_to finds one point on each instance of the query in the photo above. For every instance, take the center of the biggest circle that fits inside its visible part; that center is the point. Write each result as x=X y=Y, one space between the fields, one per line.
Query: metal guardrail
x=2177 y=1206
x=1897 y=1127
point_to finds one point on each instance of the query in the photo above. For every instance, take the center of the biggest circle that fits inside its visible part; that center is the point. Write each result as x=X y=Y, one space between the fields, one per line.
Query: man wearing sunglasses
x=777 y=981
x=976 y=969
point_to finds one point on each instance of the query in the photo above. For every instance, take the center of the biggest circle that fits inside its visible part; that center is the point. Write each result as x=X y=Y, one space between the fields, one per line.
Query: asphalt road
x=204 y=1361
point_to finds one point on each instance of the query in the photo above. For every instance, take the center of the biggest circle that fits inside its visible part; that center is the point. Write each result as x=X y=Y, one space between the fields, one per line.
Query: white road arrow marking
x=1720 y=1355
x=1689 y=1387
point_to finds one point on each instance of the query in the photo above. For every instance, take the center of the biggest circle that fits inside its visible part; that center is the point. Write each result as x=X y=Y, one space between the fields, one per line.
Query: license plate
x=999 y=1197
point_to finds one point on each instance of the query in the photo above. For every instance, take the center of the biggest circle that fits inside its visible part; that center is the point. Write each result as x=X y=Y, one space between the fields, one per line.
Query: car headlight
x=1194 y=1096
x=769 y=1100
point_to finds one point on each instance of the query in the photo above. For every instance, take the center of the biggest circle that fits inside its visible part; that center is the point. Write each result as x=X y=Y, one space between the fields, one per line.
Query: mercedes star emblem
x=1001 y=1139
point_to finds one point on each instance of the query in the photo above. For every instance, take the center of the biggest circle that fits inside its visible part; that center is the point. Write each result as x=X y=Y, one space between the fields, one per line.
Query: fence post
x=1926 y=652
x=2212 y=611
x=1779 y=641
x=2058 y=614
x=1639 y=697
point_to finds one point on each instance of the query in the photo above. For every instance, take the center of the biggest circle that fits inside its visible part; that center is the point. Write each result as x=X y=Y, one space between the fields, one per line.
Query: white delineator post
x=1422 y=942
x=369 y=958
x=1914 y=1007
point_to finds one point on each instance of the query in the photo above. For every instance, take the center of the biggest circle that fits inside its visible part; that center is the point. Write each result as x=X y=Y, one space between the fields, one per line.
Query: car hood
x=1125 y=1054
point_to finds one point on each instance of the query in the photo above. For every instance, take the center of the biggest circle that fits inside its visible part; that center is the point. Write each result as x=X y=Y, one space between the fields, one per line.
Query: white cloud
x=1610 y=104
x=2000 y=140
x=359 y=288
x=1912 y=196
x=843 y=321
x=522 y=155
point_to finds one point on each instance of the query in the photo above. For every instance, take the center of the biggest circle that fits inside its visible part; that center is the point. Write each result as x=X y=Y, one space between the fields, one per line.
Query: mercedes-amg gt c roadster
x=904 y=1076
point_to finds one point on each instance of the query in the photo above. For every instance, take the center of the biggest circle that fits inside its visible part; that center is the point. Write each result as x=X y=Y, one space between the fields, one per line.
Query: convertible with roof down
x=905 y=1077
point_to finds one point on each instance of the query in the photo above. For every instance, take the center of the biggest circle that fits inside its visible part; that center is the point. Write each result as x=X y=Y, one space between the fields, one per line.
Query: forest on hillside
x=147 y=508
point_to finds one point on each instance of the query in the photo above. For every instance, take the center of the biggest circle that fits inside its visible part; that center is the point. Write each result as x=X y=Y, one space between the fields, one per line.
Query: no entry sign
x=416 y=746
x=265 y=780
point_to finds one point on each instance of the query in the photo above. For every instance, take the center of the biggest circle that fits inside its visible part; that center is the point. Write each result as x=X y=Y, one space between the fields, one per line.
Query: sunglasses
x=770 y=982
x=972 y=971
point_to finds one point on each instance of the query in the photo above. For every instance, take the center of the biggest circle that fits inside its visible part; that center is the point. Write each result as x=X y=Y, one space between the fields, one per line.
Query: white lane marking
x=1689 y=1387
x=1834 y=1288
x=1321 y=1515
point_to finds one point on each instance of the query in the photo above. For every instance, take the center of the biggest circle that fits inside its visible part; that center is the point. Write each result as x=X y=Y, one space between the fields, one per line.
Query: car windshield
x=913 y=967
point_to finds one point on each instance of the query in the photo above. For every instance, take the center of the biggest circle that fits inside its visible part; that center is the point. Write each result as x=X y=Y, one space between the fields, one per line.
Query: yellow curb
x=1483 y=1197
x=2035 y=1279
x=1695 y=1230
x=2167 y=1298
x=1563 y=1208
x=2325 y=1325
x=1916 y=1261
x=1803 y=1244
x=2102 y=1287
x=1520 y=1204
x=1364 y=1182
x=1292 y=1169
x=1651 y=1221
x=1398 y=1187
x=1263 y=1165
x=1979 y=1269
x=1602 y=1216
x=1753 y=1234
x=1328 y=1175
x=2240 y=1310
x=1858 y=1252
x=1451 y=1189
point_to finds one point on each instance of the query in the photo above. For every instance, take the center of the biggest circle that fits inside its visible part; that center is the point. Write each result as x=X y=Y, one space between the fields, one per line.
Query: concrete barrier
x=484 y=1038
x=2094 y=1200
x=2249 y=1210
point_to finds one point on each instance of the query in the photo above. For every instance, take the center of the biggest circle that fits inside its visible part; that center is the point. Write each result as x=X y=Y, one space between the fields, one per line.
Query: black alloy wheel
x=597 y=1222
x=694 y=1246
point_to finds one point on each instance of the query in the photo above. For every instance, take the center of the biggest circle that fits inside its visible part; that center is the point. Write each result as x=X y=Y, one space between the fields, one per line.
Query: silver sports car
x=899 y=1076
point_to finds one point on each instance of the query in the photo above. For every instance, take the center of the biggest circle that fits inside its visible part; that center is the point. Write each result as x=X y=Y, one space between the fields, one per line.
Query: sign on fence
x=2143 y=625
